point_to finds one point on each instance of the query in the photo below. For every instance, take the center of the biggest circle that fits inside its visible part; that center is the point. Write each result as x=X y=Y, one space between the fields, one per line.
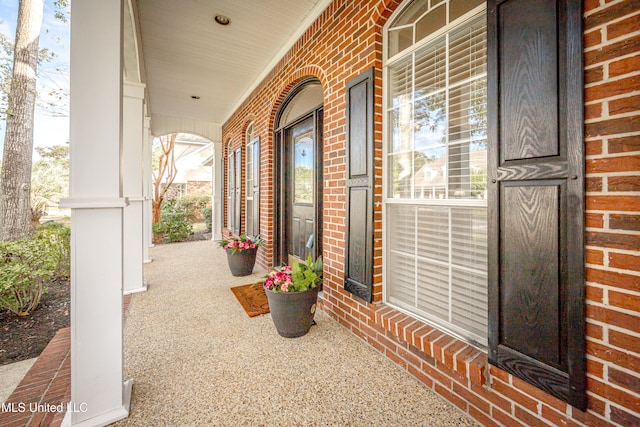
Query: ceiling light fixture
x=222 y=20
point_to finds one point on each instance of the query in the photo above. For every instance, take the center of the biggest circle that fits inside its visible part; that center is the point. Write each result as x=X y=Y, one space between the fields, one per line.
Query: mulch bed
x=25 y=337
x=198 y=235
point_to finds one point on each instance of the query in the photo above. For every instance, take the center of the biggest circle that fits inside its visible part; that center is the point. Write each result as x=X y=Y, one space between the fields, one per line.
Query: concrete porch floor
x=196 y=358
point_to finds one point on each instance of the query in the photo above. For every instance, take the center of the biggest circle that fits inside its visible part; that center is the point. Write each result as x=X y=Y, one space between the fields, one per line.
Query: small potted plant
x=241 y=253
x=292 y=293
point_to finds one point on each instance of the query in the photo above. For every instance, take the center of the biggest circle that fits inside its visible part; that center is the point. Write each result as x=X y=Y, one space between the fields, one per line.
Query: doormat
x=252 y=298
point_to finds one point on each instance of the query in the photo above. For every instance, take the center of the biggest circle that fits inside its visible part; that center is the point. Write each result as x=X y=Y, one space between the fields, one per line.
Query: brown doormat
x=252 y=298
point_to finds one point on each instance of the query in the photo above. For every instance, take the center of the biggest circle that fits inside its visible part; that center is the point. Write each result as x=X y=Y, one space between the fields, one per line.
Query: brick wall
x=345 y=41
x=612 y=131
x=199 y=188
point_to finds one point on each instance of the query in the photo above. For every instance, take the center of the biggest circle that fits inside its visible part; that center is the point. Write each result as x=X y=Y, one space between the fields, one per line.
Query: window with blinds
x=436 y=164
x=231 y=188
x=249 y=181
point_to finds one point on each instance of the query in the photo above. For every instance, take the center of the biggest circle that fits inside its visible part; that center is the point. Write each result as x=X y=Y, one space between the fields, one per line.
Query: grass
x=199 y=226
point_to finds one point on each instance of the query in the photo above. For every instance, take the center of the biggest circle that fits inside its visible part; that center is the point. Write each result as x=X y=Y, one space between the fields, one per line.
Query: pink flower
x=253 y=246
x=285 y=287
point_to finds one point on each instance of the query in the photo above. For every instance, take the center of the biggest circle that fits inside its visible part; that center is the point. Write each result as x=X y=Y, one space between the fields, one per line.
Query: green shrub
x=207 y=213
x=174 y=226
x=193 y=205
x=59 y=238
x=25 y=268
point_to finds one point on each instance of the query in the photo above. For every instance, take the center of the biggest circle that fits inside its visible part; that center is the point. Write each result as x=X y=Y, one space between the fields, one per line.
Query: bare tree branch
x=167 y=172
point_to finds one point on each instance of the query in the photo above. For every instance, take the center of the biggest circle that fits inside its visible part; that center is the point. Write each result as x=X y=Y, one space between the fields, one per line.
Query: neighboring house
x=467 y=169
x=194 y=175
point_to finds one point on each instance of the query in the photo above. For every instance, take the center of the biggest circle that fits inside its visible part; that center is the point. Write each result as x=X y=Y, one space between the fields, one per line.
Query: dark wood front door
x=301 y=188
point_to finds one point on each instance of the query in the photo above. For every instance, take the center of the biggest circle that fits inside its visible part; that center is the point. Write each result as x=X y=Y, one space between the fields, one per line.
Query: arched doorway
x=298 y=174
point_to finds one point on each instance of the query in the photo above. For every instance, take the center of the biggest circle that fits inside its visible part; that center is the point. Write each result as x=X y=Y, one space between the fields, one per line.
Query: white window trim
x=230 y=196
x=386 y=62
x=250 y=141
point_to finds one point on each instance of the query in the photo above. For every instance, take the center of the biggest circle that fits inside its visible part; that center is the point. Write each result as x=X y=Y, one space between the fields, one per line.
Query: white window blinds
x=436 y=168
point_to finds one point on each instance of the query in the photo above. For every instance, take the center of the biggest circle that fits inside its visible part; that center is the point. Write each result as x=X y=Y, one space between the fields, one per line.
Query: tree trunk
x=15 y=181
x=156 y=211
x=166 y=166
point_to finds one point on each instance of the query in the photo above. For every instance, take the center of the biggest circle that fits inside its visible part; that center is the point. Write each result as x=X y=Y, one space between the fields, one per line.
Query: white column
x=217 y=185
x=133 y=145
x=98 y=392
x=147 y=148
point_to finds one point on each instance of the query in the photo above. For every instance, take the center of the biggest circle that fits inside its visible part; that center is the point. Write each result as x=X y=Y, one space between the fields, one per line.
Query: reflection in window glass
x=439 y=113
x=436 y=169
x=400 y=39
x=303 y=168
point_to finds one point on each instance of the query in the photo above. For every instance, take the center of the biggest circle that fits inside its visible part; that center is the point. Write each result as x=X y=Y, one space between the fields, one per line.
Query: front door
x=301 y=183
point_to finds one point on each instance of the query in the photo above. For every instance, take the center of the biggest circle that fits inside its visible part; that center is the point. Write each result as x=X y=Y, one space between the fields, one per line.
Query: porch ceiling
x=185 y=53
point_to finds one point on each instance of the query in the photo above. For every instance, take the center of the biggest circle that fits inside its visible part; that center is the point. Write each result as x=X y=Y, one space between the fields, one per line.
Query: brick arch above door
x=293 y=81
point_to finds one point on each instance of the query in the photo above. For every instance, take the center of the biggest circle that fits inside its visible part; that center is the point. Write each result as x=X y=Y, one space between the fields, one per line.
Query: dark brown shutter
x=256 y=185
x=238 y=190
x=359 y=158
x=536 y=195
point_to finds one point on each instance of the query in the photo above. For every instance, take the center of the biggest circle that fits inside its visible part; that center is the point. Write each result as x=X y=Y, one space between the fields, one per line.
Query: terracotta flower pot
x=292 y=312
x=241 y=263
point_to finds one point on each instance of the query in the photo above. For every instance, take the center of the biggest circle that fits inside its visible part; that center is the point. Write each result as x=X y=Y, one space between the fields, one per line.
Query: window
x=231 y=188
x=436 y=164
x=252 y=190
x=233 y=196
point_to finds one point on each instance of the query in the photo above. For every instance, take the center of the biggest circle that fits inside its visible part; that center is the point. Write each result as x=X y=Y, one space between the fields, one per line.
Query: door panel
x=300 y=187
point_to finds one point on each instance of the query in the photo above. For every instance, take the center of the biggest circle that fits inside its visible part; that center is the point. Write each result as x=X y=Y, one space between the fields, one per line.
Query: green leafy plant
x=298 y=277
x=207 y=213
x=174 y=226
x=58 y=237
x=193 y=205
x=308 y=274
x=25 y=268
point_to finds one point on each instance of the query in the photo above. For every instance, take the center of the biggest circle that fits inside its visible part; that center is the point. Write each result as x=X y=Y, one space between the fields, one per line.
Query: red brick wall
x=199 y=188
x=346 y=40
x=612 y=132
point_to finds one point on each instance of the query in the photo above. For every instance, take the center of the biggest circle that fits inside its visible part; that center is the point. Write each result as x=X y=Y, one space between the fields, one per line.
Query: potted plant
x=292 y=293
x=241 y=253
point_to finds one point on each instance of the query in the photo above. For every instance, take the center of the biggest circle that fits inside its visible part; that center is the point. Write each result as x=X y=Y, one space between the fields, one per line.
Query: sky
x=54 y=35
